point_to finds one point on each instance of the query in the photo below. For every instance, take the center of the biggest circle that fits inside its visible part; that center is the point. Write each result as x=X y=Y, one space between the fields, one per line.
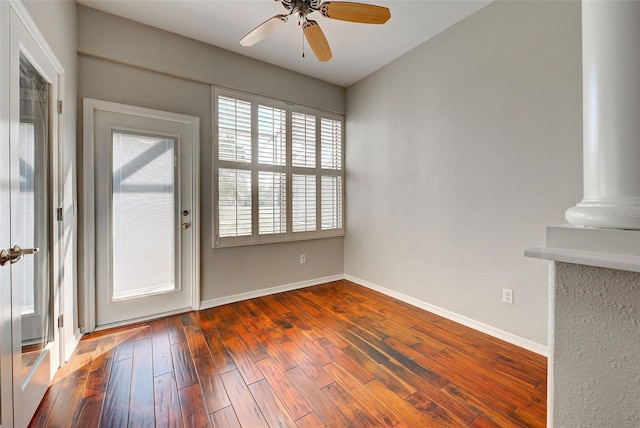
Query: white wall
x=56 y=20
x=458 y=155
x=130 y=63
x=596 y=347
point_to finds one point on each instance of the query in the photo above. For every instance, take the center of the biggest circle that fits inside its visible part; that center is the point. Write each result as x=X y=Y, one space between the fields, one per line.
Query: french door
x=30 y=274
x=145 y=212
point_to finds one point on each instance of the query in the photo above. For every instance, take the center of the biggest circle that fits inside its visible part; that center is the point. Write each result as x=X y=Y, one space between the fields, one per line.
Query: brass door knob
x=186 y=226
x=15 y=254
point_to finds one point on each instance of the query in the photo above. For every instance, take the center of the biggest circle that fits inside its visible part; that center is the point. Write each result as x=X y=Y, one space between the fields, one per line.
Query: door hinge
x=60 y=321
x=59 y=106
x=59 y=214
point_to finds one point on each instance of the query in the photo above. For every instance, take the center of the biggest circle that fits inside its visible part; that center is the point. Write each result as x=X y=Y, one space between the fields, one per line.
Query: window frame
x=255 y=168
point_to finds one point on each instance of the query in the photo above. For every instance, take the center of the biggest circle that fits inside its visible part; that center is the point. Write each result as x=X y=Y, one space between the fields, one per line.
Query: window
x=278 y=171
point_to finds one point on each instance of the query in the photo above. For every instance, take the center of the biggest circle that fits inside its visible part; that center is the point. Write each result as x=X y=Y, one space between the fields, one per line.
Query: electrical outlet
x=507 y=295
x=303 y=259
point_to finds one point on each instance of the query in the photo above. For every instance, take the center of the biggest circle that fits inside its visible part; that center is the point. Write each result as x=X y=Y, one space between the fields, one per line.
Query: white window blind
x=331 y=203
x=331 y=143
x=278 y=171
x=234 y=206
x=272 y=213
x=304 y=202
x=303 y=136
x=234 y=130
x=272 y=135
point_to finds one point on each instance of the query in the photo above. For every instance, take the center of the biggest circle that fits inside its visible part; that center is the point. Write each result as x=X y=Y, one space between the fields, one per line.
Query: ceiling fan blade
x=263 y=30
x=316 y=39
x=355 y=12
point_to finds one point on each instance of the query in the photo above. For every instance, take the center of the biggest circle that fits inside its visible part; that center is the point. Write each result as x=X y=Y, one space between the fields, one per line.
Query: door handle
x=15 y=254
x=186 y=226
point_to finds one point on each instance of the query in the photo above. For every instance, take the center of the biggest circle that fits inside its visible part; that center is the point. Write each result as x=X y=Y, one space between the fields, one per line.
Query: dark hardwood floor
x=331 y=355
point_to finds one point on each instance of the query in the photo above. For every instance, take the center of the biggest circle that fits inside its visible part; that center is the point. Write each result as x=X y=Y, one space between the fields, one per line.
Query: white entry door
x=145 y=195
x=31 y=274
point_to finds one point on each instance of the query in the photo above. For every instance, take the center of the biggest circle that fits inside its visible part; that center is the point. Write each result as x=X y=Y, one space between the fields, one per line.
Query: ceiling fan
x=344 y=11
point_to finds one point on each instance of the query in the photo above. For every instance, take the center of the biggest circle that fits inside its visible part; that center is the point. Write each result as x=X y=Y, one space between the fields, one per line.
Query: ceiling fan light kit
x=343 y=11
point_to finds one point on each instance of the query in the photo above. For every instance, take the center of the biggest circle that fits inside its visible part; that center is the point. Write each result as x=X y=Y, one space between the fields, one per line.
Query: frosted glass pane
x=143 y=215
x=25 y=230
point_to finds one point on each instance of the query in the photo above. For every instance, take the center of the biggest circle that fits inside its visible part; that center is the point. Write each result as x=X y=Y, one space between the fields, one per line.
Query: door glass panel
x=31 y=217
x=143 y=215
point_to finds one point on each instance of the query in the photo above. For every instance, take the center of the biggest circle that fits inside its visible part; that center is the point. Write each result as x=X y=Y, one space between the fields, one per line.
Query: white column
x=611 y=104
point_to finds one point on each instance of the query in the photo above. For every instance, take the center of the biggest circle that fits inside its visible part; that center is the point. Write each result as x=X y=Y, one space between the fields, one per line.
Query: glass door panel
x=143 y=215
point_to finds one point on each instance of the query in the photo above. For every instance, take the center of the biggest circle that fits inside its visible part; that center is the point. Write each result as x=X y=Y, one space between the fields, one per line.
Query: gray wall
x=57 y=23
x=458 y=155
x=595 y=359
x=126 y=62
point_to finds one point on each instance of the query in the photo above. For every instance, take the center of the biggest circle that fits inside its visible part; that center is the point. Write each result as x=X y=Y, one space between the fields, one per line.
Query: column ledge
x=608 y=248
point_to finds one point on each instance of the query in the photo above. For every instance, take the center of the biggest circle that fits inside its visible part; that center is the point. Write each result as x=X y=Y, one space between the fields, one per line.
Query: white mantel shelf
x=607 y=248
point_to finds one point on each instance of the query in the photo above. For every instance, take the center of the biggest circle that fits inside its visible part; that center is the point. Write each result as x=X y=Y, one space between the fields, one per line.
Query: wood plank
x=349 y=406
x=195 y=339
x=223 y=361
x=288 y=394
x=115 y=411
x=438 y=414
x=405 y=410
x=98 y=377
x=342 y=359
x=70 y=393
x=47 y=406
x=310 y=421
x=215 y=396
x=194 y=411
x=330 y=415
x=183 y=365
x=141 y=405
x=308 y=365
x=225 y=418
x=87 y=413
x=378 y=409
x=275 y=351
x=167 y=402
x=162 y=360
x=483 y=409
x=272 y=408
x=175 y=330
x=247 y=410
x=241 y=358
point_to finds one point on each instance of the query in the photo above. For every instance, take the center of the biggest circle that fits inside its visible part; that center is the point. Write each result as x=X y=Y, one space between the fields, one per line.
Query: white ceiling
x=358 y=49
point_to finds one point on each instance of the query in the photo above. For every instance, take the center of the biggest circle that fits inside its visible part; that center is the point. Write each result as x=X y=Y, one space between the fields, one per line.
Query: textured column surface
x=611 y=111
x=595 y=354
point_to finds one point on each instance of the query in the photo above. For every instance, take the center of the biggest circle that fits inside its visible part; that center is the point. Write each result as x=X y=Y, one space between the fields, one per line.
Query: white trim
x=71 y=345
x=90 y=106
x=210 y=303
x=143 y=319
x=471 y=323
x=22 y=13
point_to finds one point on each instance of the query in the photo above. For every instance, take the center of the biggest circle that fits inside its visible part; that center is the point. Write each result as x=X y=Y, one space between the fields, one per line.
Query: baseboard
x=210 y=303
x=72 y=344
x=476 y=325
